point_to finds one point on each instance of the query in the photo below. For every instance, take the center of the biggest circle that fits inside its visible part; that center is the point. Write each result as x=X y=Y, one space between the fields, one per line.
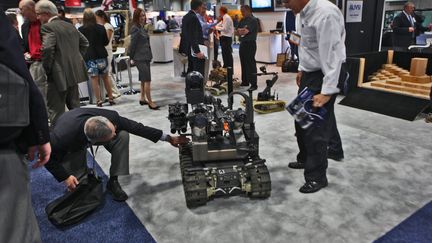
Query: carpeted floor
x=384 y=178
x=113 y=222
x=417 y=228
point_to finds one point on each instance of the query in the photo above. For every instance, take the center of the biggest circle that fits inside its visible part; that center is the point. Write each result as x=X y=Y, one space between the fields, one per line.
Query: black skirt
x=143 y=70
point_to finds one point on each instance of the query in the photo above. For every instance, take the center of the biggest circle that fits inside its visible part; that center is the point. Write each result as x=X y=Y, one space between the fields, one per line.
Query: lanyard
x=93 y=169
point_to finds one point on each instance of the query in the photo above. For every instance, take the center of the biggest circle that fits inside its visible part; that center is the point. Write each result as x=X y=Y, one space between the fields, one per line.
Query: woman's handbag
x=74 y=206
x=290 y=65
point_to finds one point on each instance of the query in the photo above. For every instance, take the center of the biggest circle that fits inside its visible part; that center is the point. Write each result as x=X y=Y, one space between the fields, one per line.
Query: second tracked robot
x=222 y=158
x=266 y=102
x=218 y=80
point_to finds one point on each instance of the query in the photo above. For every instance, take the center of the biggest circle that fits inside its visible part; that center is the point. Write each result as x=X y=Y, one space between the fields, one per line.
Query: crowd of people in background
x=62 y=52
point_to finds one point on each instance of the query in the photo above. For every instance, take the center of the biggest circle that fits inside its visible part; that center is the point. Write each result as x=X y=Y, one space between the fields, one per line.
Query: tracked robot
x=218 y=80
x=266 y=102
x=222 y=159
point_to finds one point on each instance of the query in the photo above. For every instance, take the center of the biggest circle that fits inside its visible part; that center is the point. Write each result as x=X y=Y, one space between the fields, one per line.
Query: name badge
x=295 y=38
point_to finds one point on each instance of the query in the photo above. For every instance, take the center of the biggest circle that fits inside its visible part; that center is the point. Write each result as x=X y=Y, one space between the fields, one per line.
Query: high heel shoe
x=111 y=101
x=143 y=102
x=99 y=103
x=154 y=108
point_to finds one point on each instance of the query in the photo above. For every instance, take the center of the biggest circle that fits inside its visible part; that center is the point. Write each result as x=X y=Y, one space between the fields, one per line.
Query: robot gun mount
x=266 y=102
x=222 y=159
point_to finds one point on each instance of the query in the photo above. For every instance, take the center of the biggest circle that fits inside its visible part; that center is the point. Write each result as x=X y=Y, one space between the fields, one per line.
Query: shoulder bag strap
x=93 y=169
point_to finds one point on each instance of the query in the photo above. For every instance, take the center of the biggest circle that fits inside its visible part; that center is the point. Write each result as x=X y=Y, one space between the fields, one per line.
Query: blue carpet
x=112 y=222
x=417 y=228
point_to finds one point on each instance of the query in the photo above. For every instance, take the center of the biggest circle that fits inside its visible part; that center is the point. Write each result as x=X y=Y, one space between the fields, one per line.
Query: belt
x=312 y=72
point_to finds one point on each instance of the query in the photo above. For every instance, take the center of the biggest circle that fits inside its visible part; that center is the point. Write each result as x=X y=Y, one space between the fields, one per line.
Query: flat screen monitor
x=261 y=5
x=279 y=25
x=113 y=21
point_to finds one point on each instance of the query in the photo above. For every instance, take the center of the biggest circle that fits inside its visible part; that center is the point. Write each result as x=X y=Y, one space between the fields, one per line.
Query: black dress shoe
x=296 y=165
x=117 y=192
x=312 y=186
x=154 y=107
x=337 y=157
x=252 y=88
x=143 y=102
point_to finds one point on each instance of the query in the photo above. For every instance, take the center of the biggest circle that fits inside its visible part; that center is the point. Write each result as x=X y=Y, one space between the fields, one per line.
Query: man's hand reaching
x=178 y=140
x=71 y=183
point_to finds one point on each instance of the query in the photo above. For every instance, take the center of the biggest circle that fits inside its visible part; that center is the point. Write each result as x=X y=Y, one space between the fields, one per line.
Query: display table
x=268 y=46
x=180 y=63
x=161 y=45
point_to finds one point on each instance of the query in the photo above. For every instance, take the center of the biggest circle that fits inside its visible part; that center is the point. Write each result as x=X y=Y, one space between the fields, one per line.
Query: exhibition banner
x=354 y=11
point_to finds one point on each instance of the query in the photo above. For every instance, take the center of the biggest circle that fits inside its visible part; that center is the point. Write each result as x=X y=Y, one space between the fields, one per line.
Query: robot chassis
x=266 y=102
x=222 y=159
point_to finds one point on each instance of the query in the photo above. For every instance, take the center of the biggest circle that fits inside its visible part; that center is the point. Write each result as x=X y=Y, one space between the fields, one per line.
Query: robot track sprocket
x=260 y=182
x=194 y=180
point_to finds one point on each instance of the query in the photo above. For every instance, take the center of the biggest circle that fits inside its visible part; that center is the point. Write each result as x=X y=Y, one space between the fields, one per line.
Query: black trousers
x=215 y=49
x=248 y=64
x=313 y=142
x=195 y=64
x=226 y=44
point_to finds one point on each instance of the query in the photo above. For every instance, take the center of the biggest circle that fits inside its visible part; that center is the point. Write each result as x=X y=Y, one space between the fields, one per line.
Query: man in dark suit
x=79 y=128
x=17 y=220
x=404 y=28
x=62 y=49
x=192 y=37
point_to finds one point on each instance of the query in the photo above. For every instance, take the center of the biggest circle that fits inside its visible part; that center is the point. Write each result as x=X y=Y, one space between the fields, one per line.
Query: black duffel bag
x=291 y=64
x=74 y=206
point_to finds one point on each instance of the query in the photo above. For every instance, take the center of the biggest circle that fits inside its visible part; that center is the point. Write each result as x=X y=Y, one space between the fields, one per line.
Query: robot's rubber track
x=265 y=107
x=260 y=181
x=194 y=181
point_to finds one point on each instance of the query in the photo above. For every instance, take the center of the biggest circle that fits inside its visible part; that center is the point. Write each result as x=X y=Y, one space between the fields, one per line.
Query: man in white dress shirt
x=160 y=24
x=321 y=53
x=226 y=28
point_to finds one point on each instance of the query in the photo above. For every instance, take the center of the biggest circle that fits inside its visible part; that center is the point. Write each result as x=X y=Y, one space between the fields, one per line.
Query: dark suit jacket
x=12 y=57
x=62 y=49
x=191 y=34
x=139 y=48
x=68 y=134
x=25 y=28
x=401 y=36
